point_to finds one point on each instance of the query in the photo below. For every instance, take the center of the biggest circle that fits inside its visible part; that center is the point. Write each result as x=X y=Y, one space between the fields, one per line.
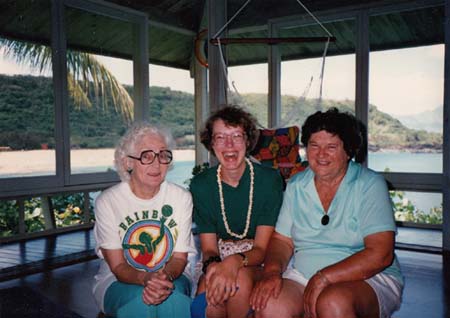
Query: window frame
x=63 y=180
x=422 y=182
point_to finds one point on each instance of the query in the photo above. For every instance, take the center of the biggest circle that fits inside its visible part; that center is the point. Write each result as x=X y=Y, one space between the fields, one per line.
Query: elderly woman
x=236 y=205
x=337 y=221
x=143 y=232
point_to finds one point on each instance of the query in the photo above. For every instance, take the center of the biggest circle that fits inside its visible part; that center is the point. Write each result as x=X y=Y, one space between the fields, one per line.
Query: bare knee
x=335 y=302
x=276 y=311
x=264 y=314
x=238 y=305
x=218 y=311
x=288 y=304
x=271 y=310
x=245 y=280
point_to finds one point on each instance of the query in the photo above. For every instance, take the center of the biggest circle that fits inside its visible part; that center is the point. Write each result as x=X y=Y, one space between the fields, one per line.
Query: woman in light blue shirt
x=338 y=223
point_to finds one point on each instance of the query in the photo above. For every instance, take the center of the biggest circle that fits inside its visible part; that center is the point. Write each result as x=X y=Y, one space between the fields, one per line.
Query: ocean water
x=406 y=162
x=394 y=161
x=181 y=172
x=411 y=162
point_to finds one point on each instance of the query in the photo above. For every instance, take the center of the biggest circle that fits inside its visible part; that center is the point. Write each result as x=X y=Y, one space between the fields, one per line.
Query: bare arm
x=258 y=252
x=221 y=278
x=279 y=252
x=378 y=253
x=208 y=242
x=256 y=255
x=175 y=266
x=123 y=271
x=208 y=245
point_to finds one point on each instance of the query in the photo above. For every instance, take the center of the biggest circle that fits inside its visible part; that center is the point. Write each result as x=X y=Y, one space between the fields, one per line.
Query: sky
x=402 y=82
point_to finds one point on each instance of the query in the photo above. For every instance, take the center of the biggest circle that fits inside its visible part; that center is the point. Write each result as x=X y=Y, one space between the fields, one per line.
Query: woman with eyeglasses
x=143 y=232
x=236 y=205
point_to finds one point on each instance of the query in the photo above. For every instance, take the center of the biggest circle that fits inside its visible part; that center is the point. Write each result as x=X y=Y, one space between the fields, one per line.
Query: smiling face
x=326 y=156
x=145 y=180
x=230 y=152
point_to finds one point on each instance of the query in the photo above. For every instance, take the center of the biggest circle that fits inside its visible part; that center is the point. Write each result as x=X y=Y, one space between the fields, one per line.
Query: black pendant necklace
x=325 y=219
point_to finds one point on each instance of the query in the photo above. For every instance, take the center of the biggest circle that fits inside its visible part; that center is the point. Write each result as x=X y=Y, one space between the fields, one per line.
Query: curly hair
x=130 y=140
x=233 y=116
x=345 y=125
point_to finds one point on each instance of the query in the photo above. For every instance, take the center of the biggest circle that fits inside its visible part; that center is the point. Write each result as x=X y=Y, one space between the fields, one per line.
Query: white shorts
x=387 y=288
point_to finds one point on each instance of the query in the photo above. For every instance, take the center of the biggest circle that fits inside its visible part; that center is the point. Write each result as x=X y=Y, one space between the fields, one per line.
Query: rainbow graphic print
x=148 y=244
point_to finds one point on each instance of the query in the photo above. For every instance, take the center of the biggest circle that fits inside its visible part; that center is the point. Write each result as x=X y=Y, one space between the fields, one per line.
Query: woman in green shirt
x=236 y=205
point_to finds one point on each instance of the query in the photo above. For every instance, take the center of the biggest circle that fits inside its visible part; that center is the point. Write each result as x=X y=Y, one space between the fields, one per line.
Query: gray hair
x=128 y=142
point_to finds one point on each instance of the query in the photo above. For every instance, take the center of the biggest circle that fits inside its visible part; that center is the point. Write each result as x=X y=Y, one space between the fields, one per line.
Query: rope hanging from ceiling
x=201 y=45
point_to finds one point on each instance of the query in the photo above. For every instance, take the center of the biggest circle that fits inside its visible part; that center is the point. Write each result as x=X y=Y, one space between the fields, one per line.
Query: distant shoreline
x=26 y=162
x=409 y=150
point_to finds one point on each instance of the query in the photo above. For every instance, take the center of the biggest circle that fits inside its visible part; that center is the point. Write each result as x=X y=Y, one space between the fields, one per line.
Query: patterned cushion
x=279 y=148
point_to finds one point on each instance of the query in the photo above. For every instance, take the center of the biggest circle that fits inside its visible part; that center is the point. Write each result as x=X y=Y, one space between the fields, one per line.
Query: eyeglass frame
x=156 y=154
x=244 y=137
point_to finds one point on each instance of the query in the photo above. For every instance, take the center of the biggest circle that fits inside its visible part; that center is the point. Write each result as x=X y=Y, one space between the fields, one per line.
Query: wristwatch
x=244 y=259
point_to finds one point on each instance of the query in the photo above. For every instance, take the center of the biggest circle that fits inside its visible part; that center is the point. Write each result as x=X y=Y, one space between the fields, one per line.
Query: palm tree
x=85 y=74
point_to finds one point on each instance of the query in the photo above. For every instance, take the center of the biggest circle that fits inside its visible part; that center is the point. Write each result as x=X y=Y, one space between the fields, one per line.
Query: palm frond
x=77 y=93
x=89 y=72
x=85 y=75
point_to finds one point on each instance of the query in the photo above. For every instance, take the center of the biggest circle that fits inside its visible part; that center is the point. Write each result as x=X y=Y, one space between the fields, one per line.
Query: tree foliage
x=67 y=210
x=406 y=211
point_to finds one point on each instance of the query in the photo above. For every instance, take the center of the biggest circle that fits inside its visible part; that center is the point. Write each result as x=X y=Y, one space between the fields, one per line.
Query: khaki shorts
x=387 y=288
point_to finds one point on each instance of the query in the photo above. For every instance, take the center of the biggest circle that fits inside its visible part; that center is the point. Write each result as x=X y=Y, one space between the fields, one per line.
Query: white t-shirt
x=124 y=221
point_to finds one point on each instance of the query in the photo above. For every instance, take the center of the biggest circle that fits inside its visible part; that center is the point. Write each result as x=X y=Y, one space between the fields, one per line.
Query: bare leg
x=218 y=311
x=349 y=299
x=211 y=311
x=238 y=306
x=289 y=303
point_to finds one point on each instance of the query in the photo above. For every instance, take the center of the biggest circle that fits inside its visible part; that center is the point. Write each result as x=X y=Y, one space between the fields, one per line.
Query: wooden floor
x=36 y=255
x=427 y=287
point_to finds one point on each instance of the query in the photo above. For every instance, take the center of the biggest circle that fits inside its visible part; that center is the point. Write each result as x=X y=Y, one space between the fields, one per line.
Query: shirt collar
x=350 y=175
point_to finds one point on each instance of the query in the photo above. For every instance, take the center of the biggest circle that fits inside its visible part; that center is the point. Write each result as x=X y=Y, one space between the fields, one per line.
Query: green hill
x=26 y=117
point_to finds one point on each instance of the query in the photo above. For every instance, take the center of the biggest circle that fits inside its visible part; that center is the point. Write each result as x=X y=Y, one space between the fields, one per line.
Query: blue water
x=180 y=172
x=411 y=162
x=406 y=162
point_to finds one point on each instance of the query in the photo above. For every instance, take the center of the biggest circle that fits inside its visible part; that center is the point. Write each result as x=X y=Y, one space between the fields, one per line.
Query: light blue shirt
x=361 y=207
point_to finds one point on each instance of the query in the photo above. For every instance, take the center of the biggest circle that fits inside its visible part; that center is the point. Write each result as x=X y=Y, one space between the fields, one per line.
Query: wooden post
x=86 y=207
x=47 y=211
x=21 y=206
x=217 y=76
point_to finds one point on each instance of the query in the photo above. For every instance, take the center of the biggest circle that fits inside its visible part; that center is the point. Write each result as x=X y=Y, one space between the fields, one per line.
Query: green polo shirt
x=267 y=199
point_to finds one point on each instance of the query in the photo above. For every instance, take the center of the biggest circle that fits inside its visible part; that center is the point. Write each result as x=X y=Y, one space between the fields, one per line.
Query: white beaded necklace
x=250 y=201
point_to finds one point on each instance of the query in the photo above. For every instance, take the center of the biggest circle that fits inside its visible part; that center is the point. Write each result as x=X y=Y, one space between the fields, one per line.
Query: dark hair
x=346 y=126
x=233 y=116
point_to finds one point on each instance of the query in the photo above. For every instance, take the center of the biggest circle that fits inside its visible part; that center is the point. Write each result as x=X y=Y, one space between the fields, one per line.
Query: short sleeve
x=285 y=219
x=185 y=241
x=202 y=212
x=376 y=208
x=105 y=230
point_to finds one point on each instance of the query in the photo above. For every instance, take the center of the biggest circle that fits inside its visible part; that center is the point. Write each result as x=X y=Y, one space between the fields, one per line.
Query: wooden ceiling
x=175 y=24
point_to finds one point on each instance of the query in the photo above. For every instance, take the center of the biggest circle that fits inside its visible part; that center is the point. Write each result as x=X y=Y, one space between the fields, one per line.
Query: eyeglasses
x=148 y=156
x=238 y=138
